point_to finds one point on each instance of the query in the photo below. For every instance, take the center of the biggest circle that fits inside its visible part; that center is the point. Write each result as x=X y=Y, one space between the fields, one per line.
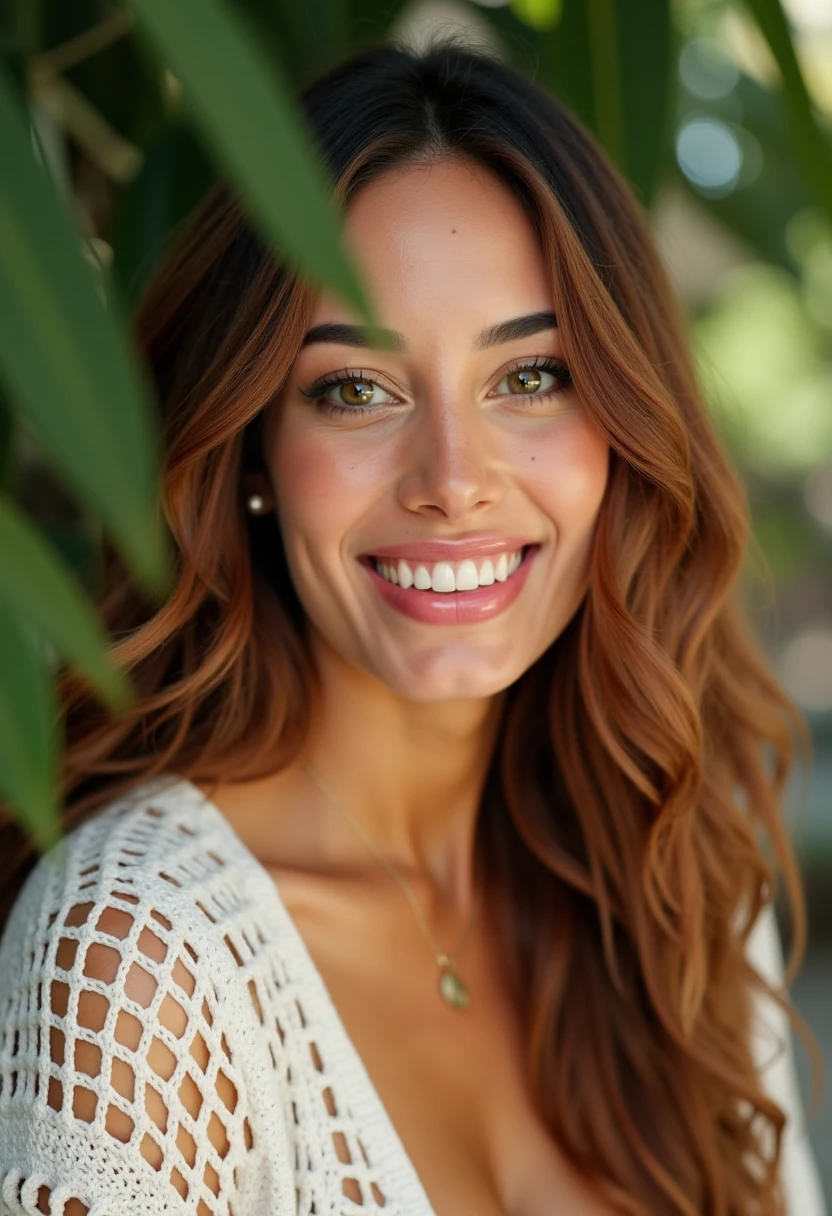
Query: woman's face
x=407 y=494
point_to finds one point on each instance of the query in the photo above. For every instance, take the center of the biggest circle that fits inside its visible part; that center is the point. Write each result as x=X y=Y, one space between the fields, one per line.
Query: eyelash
x=321 y=387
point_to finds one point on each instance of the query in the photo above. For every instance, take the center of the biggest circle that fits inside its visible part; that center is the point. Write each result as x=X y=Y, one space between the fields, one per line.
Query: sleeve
x=774 y=1053
x=119 y=1095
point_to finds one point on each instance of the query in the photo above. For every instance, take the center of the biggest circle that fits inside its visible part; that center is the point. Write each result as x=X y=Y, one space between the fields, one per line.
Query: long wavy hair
x=630 y=831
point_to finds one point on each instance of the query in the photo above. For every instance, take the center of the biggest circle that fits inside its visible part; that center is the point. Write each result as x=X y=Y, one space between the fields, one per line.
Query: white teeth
x=445 y=577
x=467 y=578
x=442 y=578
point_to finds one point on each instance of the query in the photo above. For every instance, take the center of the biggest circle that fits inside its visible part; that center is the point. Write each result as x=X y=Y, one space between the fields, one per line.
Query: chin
x=446 y=680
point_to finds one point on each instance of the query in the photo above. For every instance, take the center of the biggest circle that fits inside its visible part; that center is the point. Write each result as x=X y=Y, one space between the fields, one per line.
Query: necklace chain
x=443 y=960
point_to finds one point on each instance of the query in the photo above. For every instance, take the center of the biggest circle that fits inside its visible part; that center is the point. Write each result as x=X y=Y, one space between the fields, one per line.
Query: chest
x=452 y=1081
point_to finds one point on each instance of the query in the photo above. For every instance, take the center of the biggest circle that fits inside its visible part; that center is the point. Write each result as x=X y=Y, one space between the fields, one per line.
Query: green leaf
x=68 y=368
x=44 y=592
x=248 y=118
x=613 y=64
x=28 y=731
x=811 y=146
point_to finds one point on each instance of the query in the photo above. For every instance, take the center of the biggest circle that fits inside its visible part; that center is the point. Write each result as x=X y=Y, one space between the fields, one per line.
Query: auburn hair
x=630 y=832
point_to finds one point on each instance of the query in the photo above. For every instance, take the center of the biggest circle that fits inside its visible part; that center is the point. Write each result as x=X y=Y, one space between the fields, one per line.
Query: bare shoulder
x=267 y=815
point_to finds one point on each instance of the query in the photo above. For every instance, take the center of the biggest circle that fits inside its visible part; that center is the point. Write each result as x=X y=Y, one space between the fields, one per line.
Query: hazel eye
x=528 y=380
x=538 y=380
x=347 y=392
x=356 y=392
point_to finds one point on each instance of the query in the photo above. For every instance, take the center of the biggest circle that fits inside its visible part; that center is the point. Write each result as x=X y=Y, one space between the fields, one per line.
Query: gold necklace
x=452 y=988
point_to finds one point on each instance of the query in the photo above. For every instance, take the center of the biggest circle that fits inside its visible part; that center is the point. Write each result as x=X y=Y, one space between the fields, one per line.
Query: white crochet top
x=215 y=1076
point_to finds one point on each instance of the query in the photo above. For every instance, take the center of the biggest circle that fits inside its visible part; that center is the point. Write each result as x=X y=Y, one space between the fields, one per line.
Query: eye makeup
x=319 y=391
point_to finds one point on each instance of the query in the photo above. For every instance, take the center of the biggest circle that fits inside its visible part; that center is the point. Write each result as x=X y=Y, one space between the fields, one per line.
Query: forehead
x=445 y=247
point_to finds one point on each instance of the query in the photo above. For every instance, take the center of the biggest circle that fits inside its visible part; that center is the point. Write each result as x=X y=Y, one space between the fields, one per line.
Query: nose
x=452 y=469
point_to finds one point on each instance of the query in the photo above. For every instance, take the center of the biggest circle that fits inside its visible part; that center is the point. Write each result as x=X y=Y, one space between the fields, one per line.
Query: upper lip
x=451 y=550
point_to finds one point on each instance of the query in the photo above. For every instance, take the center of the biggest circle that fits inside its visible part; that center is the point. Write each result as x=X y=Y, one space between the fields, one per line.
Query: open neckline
x=362 y=1094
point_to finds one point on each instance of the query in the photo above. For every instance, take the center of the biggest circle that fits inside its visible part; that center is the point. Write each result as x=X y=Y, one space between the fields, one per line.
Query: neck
x=410 y=773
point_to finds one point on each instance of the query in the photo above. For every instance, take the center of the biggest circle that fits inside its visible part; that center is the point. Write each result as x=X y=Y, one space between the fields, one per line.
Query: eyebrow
x=494 y=335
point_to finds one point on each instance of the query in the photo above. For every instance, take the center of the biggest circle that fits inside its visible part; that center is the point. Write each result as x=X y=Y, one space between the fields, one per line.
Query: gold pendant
x=452 y=989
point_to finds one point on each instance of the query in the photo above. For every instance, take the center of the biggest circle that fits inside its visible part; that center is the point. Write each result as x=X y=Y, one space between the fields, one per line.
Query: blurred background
x=719 y=114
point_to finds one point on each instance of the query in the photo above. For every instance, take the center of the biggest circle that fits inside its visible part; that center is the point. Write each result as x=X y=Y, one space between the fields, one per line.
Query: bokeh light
x=707 y=70
x=709 y=155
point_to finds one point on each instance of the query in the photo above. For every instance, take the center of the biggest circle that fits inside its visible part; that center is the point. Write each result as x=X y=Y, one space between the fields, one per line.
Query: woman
x=420 y=876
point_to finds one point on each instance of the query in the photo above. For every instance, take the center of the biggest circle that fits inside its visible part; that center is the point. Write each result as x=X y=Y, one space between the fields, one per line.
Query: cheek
x=318 y=485
x=567 y=476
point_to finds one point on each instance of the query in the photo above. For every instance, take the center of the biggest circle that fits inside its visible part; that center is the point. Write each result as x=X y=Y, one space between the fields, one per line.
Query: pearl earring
x=256 y=504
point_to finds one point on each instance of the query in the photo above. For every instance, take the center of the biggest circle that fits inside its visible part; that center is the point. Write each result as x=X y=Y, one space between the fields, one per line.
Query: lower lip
x=453 y=607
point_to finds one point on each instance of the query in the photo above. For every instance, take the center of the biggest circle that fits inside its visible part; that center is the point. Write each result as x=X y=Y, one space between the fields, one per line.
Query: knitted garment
x=168 y=1044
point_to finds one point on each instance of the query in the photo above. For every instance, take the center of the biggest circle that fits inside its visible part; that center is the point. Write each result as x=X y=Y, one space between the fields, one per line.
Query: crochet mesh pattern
x=141 y=995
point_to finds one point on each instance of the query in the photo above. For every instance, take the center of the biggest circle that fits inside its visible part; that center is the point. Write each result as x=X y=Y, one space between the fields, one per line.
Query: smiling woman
x=456 y=622
x=467 y=442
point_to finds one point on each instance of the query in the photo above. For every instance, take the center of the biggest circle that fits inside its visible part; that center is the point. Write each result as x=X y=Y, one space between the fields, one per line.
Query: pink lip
x=453 y=607
x=452 y=550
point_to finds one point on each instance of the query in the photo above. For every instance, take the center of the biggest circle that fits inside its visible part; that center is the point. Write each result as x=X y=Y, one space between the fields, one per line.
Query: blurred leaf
x=248 y=118
x=538 y=14
x=67 y=367
x=613 y=63
x=46 y=594
x=175 y=176
x=28 y=731
x=811 y=146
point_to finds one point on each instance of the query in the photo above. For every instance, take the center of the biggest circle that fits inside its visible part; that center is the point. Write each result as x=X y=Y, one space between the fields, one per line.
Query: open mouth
x=447 y=577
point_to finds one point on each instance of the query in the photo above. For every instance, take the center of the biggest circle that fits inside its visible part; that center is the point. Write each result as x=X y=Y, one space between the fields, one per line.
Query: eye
x=347 y=392
x=354 y=392
x=542 y=377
